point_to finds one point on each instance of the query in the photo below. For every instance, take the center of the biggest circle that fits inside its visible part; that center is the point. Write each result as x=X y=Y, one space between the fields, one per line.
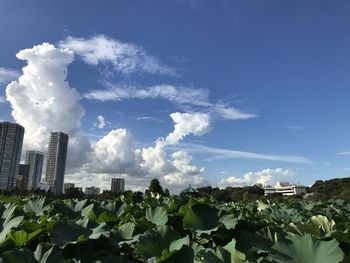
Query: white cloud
x=2 y=99
x=230 y=113
x=7 y=75
x=42 y=100
x=186 y=124
x=115 y=154
x=101 y=123
x=184 y=97
x=264 y=177
x=220 y=153
x=149 y=118
x=125 y=58
x=175 y=94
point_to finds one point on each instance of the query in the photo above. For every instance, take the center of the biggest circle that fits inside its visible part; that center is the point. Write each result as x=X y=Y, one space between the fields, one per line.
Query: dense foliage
x=334 y=188
x=134 y=228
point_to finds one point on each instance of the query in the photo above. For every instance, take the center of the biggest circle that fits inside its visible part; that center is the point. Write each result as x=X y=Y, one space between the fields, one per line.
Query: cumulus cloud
x=264 y=177
x=186 y=124
x=115 y=154
x=42 y=100
x=7 y=75
x=100 y=123
x=195 y=99
x=125 y=58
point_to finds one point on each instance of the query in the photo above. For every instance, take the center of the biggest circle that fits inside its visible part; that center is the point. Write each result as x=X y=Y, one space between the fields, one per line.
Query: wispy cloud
x=219 y=154
x=7 y=75
x=149 y=119
x=190 y=98
x=344 y=153
x=125 y=58
x=2 y=99
x=295 y=127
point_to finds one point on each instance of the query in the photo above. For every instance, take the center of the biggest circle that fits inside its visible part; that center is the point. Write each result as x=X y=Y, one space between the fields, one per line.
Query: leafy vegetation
x=153 y=228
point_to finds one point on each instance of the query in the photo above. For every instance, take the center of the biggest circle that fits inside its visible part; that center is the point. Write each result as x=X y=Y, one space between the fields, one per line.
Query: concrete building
x=22 y=177
x=117 y=185
x=35 y=160
x=11 y=140
x=67 y=186
x=92 y=190
x=285 y=188
x=56 y=161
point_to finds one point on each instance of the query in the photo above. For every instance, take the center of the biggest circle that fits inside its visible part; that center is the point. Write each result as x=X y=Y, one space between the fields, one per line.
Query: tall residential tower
x=117 y=185
x=11 y=140
x=35 y=159
x=56 y=161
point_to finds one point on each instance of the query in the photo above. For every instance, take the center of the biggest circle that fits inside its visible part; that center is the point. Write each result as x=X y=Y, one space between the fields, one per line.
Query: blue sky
x=285 y=64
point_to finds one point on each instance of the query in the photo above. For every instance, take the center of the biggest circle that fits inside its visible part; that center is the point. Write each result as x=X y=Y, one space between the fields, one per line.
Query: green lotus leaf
x=18 y=256
x=201 y=217
x=229 y=221
x=178 y=244
x=47 y=255
x=327 y=225
x=7 y=225
x=183 y=255
x=157 y=216
x=36 y=206
x=154 y=241
x=21 y=237
x=306 y=249
x=68 y=232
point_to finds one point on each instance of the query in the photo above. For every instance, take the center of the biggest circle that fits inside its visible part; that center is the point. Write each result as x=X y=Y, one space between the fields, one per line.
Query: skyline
x=200 y=93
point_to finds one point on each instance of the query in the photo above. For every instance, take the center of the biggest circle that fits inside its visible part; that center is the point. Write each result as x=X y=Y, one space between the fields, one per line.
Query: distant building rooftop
x=190 y=189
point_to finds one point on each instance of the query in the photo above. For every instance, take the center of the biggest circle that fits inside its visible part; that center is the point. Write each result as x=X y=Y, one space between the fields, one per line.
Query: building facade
x=11 y=141
x=92 y=190
x=56 y=161
x=22 y=177
x=118 y=185
x=35 y=159
x=285 y=188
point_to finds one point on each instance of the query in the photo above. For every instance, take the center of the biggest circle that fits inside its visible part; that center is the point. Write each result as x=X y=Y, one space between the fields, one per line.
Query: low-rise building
x=285 y=188
x=67 y=186
x=92 y=190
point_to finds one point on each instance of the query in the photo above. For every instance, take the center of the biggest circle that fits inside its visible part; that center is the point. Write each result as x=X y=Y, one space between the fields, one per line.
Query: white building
x=285 y=188
x=35 y=160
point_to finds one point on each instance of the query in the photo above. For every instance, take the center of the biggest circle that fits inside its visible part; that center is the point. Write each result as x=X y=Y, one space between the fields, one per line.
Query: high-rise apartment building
x=11 y=140
x=56 y=161
x=35 y=159
x=118 y=185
